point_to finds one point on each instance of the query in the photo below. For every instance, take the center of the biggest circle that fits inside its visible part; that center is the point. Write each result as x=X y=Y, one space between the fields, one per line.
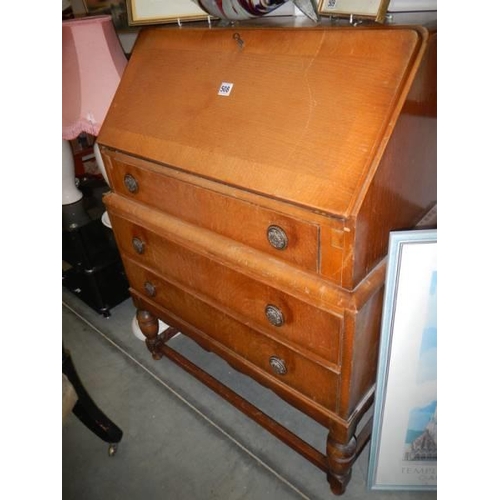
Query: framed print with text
x=403 y=450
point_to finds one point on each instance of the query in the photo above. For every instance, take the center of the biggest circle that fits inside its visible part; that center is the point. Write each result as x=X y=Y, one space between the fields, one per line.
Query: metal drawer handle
x=278 y=365
x=150 y=289
x=274 y=315
x=277 y=237
x=130 y=183
x=139 y=245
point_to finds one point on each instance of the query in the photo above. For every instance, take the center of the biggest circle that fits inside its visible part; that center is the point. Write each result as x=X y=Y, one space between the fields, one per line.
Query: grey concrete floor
x=182 y=441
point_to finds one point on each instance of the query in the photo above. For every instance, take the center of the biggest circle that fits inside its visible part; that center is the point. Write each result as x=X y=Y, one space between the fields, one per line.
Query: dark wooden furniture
x=255 y=220
x=83 y=151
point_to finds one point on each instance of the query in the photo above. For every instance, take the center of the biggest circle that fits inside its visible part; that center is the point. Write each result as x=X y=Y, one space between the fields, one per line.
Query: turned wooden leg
x=149 y=325
x=340 y=458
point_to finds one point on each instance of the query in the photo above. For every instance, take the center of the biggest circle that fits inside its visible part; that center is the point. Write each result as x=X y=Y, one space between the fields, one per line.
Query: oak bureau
x=255 y=176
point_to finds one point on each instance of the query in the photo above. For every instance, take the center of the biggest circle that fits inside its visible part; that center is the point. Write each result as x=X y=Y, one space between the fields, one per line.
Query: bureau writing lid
x=298 y=114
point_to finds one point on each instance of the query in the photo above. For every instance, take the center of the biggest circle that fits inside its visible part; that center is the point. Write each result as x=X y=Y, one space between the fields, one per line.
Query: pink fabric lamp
x=92 y=65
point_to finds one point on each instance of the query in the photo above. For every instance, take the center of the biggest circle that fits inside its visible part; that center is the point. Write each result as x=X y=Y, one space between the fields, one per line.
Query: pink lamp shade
x=92 y=65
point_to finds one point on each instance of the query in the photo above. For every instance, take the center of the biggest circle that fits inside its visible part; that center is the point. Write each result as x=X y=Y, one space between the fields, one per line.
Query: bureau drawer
x=263 y=307
x=285 y=237
x=285 y=364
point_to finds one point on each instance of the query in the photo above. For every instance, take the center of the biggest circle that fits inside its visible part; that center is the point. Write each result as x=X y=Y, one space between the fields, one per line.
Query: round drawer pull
x=274 y=315
x=150 y=289
x=131 y=183
x=277 y=237
x=138 y=245
x=278 y=365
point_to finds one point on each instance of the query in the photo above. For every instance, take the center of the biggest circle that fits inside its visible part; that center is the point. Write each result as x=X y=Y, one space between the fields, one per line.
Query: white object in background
x=127 y=40
x=137 y=331
x=100 y=163
x=411 y=5
x=415 y=18
x=70 y=193
x=105 y=220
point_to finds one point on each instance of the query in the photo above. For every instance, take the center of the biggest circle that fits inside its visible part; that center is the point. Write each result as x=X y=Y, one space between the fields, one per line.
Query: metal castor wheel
x=113 y=448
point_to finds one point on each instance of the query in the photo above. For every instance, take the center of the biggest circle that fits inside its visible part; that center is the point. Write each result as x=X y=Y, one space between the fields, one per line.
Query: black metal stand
x=87 y=411
x=92 y=267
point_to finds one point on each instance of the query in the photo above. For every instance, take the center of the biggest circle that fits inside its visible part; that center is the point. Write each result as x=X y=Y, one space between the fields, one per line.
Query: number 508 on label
x=225 y=88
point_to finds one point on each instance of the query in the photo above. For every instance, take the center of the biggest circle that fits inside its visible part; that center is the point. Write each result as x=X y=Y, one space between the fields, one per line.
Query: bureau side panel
x=360 y=355
x=404 y=187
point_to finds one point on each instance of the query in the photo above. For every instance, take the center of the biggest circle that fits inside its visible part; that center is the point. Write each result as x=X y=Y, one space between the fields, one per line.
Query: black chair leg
x=87 y=411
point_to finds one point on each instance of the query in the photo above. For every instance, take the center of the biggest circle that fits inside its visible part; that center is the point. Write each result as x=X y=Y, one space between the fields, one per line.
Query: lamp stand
x=70 y=193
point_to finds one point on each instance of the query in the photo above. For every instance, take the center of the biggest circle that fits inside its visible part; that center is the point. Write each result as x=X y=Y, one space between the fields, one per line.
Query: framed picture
x=370 y=9
x=154 y=12
x=403 y=450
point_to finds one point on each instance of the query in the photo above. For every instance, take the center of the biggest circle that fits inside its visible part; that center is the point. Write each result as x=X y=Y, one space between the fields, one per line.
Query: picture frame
x=403 y=449
x=364 y=9
x=142 y=12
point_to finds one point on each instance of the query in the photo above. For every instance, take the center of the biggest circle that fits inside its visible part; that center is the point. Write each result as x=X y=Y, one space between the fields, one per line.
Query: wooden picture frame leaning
x=141 y=12
x=368 y=9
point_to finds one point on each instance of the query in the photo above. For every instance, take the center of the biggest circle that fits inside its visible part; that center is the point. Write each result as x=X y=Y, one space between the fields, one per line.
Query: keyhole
x=240 y=41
